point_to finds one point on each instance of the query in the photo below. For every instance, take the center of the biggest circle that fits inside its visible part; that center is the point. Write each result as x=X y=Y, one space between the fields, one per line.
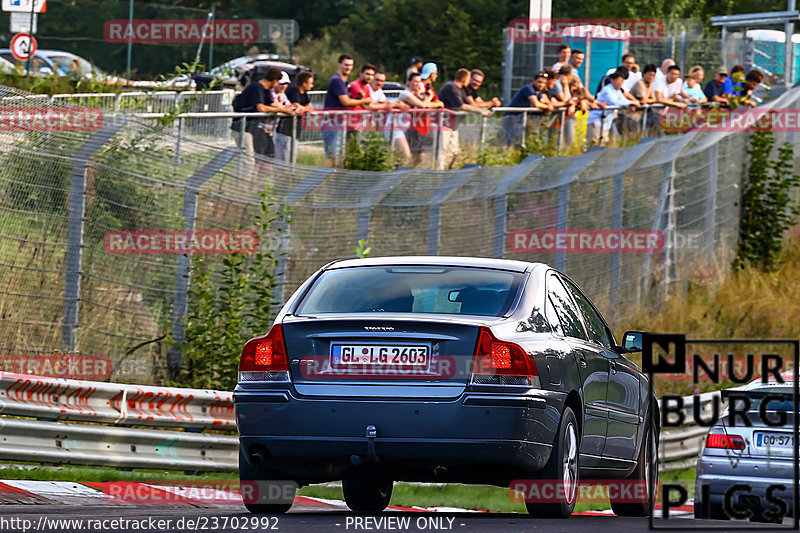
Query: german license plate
x=774 y=440
x=380 y=354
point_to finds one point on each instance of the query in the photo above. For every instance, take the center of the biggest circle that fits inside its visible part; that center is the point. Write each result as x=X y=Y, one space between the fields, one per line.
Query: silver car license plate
x=773 y=440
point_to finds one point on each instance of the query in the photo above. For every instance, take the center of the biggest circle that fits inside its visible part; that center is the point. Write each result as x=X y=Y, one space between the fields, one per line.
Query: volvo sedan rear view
x=440 y=369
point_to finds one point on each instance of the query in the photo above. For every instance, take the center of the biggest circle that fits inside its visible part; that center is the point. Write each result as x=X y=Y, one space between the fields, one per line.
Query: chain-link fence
x=65 y=189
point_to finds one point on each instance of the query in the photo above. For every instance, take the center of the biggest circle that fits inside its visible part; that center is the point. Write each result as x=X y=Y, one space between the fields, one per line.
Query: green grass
x=479 y=497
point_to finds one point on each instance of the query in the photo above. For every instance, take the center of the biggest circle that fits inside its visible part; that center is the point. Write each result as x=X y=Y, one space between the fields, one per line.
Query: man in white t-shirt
x=670 y=91
x=399 y=138
x=629 y=62
x=661 y=73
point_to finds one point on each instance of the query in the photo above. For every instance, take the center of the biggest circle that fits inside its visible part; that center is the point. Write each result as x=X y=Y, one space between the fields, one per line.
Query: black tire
x=367 y=495
x=563 y=466
x=260 y=476
x=646 y=471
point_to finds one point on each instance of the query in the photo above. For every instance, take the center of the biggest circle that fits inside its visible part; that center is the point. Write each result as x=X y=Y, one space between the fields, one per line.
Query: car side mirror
x=632 y=341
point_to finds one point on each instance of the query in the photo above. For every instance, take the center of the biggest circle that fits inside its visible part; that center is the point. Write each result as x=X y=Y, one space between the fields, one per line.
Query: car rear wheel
x=646 y=472
x=256 y=480
x=561 y=468
x=367 y=495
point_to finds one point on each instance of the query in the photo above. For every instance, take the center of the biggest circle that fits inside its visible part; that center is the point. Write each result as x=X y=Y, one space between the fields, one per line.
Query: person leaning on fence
x=632 y=73
x=732 y=86
x=471 y=90
x=454 y=98
x=562 y=96
x=751 y=81
x=599 y=129
x=714 y=89
x=532 y=95
x=416 y=127
x=575 y=61
x=644 y=91
x=338 y=99
x=691 y=86
x=670 y=91
x=297 y=95
x=283 y=142
x=394 y=134
x=256 y=97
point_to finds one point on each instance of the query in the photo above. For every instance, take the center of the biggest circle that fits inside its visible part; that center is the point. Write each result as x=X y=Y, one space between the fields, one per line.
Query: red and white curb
x=73 y=493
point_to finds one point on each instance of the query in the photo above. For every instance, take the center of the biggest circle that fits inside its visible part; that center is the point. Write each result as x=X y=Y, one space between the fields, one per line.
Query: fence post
x=524 y=128
x=516 y=173
x=77 y=212
x=711 y=202
x=178 y=142
x=294 y=196
x=682 y=56
x=616 y=224
x=437 y=142
x=181 y=302
x=482 y=133
x=561 y=131
x=439 y=196
x=293 y=152
x=508 y=65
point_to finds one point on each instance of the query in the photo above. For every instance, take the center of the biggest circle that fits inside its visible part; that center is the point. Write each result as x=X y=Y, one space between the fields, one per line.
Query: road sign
x=21 y=22
x=24 y=6
x=22 y=45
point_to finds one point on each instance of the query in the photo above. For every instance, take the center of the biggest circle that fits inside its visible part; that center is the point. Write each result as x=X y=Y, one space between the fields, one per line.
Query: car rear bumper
x=476 y=437
x=725 y=475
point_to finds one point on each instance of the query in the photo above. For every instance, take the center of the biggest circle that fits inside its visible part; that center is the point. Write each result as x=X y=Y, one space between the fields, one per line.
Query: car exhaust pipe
x=259 y=455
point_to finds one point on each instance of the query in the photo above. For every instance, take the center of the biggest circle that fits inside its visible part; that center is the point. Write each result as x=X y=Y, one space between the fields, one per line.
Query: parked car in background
x=6 y=67
x=74 y=66
x=443 y=369
x=41 y=65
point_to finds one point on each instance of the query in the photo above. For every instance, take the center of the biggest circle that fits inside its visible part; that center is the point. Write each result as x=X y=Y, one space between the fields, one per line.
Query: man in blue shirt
x=531 y=95
x=732 y=86
x=337 y=98
x=610 y=95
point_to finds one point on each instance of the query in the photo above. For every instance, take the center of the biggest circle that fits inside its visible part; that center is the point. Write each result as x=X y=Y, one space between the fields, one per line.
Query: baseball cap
x=427 y=70
x=284 y=78
x=722 y=70
x=415 y=60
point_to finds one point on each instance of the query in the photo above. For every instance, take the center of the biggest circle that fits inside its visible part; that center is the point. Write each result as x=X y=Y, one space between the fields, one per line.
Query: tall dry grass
x=743 y=304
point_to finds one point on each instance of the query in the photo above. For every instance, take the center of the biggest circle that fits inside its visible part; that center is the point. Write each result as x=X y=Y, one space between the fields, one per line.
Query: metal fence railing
x=62 y=192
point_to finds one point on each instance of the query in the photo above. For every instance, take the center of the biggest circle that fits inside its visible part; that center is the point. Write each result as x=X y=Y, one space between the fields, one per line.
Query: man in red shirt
x=359 y=88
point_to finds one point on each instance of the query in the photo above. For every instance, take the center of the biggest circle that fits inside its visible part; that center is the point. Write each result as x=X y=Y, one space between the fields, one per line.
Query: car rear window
x=413 y=289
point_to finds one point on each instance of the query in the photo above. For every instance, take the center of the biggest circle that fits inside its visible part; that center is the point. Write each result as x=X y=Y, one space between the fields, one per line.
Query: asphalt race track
x=26 y=518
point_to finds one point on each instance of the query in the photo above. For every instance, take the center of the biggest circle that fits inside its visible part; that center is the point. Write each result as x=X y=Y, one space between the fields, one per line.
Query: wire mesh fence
x=64 y=191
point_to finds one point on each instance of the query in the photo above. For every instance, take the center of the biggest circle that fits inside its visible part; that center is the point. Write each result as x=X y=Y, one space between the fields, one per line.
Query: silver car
x=746 y=467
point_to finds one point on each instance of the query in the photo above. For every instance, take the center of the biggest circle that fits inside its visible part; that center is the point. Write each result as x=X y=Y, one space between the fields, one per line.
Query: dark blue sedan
x=442 y=369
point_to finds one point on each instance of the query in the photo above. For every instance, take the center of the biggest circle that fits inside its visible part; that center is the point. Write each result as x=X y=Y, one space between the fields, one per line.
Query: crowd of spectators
x=622 y=97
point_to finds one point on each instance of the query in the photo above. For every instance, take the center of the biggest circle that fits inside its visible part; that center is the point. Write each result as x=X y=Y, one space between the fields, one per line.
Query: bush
x=767 y=209
x=368 y=151
x=239 y=306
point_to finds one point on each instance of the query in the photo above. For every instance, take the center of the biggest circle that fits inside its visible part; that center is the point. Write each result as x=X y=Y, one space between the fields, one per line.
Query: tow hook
x=371 y=456
x=371 y=434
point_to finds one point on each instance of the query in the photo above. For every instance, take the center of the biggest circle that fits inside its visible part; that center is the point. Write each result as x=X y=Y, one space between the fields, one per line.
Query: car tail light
x=502 y=363
x=721 y=440
x=264 y=358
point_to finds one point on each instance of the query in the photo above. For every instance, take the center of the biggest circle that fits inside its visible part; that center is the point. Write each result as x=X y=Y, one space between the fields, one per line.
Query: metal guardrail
x=114 y=403
x=111 y=408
